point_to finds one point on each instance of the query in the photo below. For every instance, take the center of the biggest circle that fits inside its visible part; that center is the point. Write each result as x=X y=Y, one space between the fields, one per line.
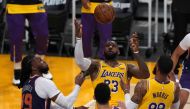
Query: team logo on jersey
x=112 y=74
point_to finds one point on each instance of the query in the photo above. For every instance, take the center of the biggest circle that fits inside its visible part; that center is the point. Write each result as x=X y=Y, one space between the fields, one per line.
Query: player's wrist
x=78 y=38
x=135 y=52
x=126 y=91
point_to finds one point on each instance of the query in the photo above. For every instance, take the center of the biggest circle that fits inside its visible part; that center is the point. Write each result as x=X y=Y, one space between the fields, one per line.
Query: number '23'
x=115 y=84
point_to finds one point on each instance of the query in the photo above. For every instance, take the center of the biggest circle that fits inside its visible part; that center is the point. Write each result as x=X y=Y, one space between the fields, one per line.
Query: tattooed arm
x=176 y=101
x=139 y=93
x=140 y=72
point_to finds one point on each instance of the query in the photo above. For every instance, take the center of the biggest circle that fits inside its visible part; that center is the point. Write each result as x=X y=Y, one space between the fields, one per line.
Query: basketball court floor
x=64 y=70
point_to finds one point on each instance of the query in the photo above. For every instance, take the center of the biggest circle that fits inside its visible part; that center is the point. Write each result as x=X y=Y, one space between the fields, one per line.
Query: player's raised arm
x=83 y=63
x=183 y=46
x=140 y=72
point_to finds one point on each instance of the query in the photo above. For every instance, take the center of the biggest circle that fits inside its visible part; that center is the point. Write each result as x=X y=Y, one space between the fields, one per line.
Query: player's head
x=111 y=50
x=164 y=65
x=31 y=65
x=102 y=93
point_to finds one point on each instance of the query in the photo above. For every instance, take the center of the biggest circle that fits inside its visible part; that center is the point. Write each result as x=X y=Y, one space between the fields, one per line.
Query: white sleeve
x=185 y=43
x=45 y=88
x=90 y=104
x=127 y=98
x=67 y=101
x=131 y=105
x=83 y=63
x=175 y=105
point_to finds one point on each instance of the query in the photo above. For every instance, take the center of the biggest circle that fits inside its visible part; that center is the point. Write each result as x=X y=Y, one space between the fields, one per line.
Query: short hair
x=102 y=93
x=165 y=64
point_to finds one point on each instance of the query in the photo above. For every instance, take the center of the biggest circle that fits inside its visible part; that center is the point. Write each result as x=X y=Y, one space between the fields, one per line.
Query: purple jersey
x=30 y=99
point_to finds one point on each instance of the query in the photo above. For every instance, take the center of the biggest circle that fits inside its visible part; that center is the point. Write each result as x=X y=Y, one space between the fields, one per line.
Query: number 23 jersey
x=111 y=76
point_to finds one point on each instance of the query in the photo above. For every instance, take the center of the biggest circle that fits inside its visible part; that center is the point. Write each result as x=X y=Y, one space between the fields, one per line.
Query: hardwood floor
x=64 y=71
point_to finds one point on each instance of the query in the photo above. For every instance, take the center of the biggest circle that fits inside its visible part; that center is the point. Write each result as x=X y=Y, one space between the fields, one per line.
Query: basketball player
x=102 y=96
x=17 y=12
x=110 y=70
x=157 y=93
x=37 y=91
x=183 y=46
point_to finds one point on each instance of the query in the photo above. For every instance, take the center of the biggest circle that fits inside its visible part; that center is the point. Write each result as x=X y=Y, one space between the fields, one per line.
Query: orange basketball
x=104 y=13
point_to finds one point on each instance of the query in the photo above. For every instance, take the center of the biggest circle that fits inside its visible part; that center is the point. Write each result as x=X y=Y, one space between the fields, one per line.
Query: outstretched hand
x=134 y=43
x=78 y=29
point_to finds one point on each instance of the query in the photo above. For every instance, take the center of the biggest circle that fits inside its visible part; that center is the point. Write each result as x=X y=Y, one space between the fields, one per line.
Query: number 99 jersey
x=158 y=96
x=30 y=99
x=111 y=76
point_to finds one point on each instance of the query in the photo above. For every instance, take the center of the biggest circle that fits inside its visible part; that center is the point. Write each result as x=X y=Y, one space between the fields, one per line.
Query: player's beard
x=44 y=70
x=110 y=56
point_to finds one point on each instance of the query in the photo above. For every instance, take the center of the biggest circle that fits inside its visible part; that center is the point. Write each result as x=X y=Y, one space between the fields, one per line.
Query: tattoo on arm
x=140 y=91
x=135 y=72
x=140 y=72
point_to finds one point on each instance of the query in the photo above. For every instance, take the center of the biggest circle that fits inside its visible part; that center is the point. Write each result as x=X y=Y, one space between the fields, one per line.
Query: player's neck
x=106 y=106
x=162 y=79
x=112 y=63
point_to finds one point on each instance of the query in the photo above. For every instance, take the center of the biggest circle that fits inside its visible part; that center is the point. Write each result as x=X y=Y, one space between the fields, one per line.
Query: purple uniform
x=185 y=76
x=30 y=99
x=17 y=12
x=16 y=32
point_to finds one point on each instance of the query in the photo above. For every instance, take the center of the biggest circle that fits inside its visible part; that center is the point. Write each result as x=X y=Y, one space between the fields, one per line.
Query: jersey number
x=115 y=84
x=27 y=101
x=156 y=106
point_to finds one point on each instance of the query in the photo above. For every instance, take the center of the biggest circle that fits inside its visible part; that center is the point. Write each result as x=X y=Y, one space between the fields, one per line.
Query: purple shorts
x=185 y=77
x=16 y=32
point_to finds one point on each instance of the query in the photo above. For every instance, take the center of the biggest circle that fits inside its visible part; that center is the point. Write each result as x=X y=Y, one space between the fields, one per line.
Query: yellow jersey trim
x=25 y=9
x=92 y=7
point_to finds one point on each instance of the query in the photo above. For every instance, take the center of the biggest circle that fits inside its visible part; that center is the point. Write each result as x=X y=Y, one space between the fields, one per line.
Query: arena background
x=60 y=55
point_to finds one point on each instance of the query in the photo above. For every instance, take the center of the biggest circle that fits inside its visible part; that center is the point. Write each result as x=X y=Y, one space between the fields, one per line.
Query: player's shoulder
x=43 y=81
x=187 y=37
x=188 y=34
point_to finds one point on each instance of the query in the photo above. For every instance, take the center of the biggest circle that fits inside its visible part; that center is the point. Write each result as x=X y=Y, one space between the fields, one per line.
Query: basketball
x=104 y=13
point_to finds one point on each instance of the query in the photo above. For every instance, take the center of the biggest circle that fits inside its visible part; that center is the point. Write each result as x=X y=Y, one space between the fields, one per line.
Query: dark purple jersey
x=30 y=99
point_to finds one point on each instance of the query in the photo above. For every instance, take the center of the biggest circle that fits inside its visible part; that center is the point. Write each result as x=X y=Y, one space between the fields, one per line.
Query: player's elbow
x=146 y=74
x=80 y=63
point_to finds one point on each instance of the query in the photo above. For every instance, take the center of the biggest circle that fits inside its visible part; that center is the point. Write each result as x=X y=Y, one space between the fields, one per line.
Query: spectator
x=17 y=12
x=181 y=17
